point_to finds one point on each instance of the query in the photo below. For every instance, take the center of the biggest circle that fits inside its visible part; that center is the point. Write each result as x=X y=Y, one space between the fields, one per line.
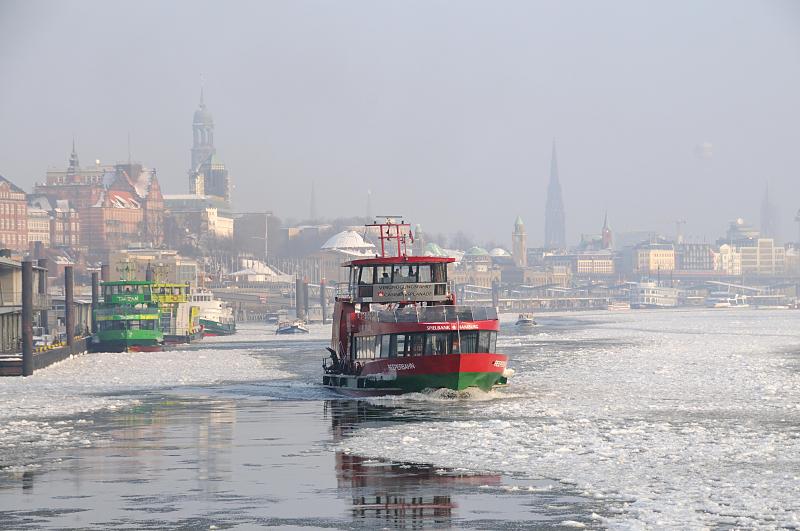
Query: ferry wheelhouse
x=397 y=327
x=128 y=319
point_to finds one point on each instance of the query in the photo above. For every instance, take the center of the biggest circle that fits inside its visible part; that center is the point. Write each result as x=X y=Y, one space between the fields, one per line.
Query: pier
x=26 y=307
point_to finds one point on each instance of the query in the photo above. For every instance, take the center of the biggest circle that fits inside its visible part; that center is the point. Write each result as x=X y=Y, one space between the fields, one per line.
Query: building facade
x=765 y=258
x=728 y=261
x=39 y=224
x=13 y=216
x=654 y=258
x=694 y=257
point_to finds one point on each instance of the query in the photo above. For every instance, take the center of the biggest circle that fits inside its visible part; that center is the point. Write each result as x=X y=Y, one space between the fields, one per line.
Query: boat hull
x=127 y=345
x=291 y=330
x=456 y=372
x=187 y=338
x=215 y=328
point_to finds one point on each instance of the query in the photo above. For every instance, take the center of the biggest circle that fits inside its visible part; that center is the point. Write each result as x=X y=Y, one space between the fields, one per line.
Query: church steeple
x=207 y=174
x=74 y=164
x=554 y=230
x=203 y=129
x=606 y=236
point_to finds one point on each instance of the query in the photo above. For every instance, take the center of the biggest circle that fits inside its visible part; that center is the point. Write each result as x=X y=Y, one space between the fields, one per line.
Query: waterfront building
x=13 y=216
x=588 y=263
x=595 y=264
x=129 y=212
x=556 y=276
x=65 y=226
x=197 y=215
x=144 y=187
x=654 y=257
x=208 y=175
x=763 y=258
x=694 y=257
x=81 y=186
x=38 y=226
x=520 y=245
x=728 y=260
x=554 y=219
x=475 y=268
x=63 y=222
x=167 y=265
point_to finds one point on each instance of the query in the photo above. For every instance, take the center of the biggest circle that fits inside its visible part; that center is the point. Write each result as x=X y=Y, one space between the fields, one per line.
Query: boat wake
x=472 y=394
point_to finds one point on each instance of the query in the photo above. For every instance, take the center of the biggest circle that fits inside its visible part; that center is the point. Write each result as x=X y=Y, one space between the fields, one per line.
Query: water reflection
x=384 y=493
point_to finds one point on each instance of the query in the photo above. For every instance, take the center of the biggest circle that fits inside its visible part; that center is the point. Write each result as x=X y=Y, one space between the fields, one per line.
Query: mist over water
x=427 y=104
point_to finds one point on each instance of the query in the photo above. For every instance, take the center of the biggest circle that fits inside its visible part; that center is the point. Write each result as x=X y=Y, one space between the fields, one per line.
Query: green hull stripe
x=419 y=382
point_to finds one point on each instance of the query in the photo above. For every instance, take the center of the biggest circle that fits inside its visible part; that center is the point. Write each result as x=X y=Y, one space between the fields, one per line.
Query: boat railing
x=343 y=290
x=432 y=314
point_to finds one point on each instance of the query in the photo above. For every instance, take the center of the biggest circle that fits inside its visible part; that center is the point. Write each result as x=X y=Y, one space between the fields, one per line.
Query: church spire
x=607 y=238
x=554 y=230
x=74 y=164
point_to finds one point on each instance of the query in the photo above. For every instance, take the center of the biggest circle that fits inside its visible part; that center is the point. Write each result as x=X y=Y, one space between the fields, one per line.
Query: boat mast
x=389 y=230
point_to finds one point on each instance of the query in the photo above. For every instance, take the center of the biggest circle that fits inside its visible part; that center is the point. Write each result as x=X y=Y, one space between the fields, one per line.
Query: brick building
x=13 y=216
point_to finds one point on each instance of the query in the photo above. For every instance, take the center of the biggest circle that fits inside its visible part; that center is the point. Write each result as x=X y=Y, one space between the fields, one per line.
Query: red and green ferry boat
x=397 y=327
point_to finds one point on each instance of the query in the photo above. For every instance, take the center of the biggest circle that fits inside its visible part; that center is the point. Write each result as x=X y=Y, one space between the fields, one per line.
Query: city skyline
x=685 y=117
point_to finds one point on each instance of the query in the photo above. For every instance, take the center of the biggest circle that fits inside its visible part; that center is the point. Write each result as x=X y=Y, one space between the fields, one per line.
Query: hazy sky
x=445 y=110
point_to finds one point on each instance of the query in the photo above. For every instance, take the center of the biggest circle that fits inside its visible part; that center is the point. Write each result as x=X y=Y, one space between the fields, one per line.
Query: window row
x=120 y=289
x=400 y=274
x=144 y=324
x=428 y=343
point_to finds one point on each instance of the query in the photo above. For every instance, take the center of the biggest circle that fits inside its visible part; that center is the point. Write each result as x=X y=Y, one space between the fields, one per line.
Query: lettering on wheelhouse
x=452 y=326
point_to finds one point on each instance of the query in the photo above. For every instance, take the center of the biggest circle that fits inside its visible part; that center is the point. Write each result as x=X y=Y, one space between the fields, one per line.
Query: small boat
x=725 y=300
x=526 y=320
x=216 y=317
x=618 y=306
x=292 y=327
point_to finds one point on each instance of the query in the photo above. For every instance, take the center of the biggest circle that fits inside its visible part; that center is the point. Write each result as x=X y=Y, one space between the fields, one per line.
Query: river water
x=629 y=420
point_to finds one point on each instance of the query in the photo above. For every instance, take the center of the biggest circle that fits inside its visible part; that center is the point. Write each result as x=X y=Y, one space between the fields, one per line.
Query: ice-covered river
x=624 y=420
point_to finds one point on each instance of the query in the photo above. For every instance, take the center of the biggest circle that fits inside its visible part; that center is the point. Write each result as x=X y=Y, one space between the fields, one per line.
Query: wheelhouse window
x=424 y=273
x=366 y=275
x=404 y=273
x=383 y=274
x=439 y=272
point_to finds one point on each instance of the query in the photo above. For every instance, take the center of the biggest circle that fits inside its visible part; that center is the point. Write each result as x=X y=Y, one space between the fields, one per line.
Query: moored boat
x=397 y=327
x=179 y=317
x=525 y=320
x=215 y=317
x=292 y=327
x=128 y=319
